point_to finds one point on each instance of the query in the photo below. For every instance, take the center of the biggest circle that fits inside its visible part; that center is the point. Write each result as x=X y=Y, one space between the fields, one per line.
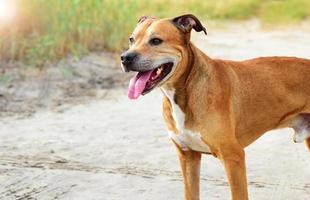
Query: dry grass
x=46 y=30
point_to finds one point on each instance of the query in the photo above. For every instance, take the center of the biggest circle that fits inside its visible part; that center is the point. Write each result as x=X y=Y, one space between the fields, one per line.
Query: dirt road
x=114 y=149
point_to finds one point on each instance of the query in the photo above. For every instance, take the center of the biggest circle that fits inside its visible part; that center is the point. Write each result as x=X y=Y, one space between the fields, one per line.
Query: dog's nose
x=128 y=58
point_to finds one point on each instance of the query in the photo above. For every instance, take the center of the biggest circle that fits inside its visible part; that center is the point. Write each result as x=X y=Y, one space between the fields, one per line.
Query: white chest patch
x=186 y=139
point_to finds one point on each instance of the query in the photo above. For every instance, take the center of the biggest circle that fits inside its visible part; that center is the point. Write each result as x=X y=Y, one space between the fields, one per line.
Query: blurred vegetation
x=46 y=30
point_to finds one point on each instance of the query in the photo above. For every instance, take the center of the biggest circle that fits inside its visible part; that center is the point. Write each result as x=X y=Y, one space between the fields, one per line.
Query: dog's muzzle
x=128 y=59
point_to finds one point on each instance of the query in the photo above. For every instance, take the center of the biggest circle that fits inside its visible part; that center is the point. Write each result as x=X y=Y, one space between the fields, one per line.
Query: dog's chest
x=185 y=138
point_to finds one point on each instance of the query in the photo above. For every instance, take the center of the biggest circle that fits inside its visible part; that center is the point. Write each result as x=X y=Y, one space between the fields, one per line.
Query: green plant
x=47 y=30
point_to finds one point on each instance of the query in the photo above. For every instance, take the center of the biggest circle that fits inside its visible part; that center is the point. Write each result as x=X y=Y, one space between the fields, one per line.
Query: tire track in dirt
x=29 y=186
x=12 y=164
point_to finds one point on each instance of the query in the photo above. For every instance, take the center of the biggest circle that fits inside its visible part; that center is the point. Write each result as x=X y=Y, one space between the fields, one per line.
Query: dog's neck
x=196 y=71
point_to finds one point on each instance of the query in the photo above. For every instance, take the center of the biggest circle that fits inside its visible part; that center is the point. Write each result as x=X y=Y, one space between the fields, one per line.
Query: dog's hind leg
x=308 y=143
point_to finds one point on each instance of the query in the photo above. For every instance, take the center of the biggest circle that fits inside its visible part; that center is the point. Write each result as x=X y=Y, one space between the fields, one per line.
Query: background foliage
x=46 y=30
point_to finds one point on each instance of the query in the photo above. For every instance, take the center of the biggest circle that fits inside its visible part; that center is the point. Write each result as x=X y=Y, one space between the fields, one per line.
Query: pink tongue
x=137 y=84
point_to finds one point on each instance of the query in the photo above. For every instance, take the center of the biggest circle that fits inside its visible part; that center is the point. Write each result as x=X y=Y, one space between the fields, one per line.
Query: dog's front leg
x=190 y=165
x=233 y=158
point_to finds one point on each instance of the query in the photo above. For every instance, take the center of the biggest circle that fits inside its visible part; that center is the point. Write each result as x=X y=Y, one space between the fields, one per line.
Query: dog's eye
x=155 y=41
x=131 y=40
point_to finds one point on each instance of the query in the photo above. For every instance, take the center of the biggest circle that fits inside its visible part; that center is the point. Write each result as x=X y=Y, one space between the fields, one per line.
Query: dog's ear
x=142 y=19
x=188 y=22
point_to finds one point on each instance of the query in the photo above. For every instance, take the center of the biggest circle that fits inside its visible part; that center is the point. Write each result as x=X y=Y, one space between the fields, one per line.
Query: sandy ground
x=25 y=90
x=114 y=149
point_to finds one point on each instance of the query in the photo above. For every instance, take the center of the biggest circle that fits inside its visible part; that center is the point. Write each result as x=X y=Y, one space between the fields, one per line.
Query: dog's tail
x=308 y=142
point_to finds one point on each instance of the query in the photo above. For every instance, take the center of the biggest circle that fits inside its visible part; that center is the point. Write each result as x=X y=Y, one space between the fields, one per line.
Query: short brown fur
x=231 y=104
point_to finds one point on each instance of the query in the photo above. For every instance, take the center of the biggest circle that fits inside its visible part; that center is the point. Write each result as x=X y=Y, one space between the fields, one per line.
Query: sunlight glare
x=7 y=10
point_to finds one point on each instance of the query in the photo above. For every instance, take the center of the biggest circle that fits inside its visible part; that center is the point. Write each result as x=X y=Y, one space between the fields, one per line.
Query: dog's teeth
x=159 y=70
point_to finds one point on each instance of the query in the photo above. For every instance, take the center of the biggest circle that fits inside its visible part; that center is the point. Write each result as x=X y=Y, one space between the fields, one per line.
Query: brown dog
x=213 y=106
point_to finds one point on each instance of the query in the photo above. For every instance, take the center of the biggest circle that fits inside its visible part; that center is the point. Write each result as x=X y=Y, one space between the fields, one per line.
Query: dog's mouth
x=144 y=82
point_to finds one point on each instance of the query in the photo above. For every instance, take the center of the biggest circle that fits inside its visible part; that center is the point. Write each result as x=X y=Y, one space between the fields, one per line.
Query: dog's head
x=157 y=50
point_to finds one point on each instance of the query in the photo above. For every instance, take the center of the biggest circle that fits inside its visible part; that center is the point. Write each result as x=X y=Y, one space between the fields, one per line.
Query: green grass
x=285 y=11
x=47 y=30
